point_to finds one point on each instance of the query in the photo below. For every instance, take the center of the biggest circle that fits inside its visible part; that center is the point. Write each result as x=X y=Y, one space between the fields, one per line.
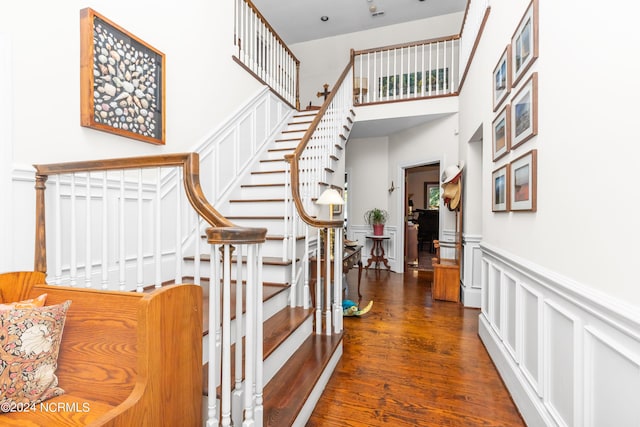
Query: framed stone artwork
x=122 y=81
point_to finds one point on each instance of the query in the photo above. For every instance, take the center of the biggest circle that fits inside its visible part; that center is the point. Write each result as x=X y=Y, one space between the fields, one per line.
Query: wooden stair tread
x=272 y=160
x=261 y=185
x=286 y=394
x=274 y=150
x=254 y=200
x=276 y=330
x=265 y=172
x=267 y=260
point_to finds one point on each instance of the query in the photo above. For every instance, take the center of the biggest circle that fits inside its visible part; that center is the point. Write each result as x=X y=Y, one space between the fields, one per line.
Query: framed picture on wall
x=523 y=182
x=337 y=209
x=500 y=189
x=524 y=43
x=501 y=130
x=524 y=112
x=121 y=81
x=502 y=78
x=432 y=195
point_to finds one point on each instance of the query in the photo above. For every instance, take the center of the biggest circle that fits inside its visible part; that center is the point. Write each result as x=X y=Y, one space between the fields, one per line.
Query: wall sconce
x=393 y=187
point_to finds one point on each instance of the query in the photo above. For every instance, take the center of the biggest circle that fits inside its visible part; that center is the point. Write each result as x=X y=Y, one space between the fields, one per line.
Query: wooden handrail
x=227 y=231
x=294 y=158
x=405 y=45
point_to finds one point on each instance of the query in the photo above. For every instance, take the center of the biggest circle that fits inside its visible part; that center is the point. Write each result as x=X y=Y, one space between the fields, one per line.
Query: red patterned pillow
x=29 y=344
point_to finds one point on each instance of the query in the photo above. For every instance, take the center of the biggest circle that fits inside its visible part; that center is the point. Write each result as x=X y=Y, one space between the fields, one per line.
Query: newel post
x=40 y=254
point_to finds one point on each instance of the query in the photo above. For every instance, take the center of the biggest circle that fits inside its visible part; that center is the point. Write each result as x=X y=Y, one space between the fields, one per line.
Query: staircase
x=298 y=362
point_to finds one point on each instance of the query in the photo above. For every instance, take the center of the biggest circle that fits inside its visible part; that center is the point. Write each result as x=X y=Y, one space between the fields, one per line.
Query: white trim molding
x=568 y=354
x=471 y=270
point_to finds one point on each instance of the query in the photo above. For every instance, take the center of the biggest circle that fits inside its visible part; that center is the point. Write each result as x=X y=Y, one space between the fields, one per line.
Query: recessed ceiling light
x=324 y=18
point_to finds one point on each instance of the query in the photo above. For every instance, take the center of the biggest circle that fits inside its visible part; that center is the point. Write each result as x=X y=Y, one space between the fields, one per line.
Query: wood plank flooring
x=412 y=361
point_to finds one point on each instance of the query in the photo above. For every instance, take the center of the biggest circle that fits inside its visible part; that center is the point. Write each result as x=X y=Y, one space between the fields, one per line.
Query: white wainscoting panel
x=569 y=355
x=612 y=380
x=392 y=252
x=471 y=270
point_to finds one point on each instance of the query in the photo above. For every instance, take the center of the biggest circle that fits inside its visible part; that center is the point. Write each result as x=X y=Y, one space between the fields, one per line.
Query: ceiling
x=299 y=20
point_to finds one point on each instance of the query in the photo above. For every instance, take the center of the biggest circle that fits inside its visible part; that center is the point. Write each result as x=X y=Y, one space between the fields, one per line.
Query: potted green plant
x=376 y=218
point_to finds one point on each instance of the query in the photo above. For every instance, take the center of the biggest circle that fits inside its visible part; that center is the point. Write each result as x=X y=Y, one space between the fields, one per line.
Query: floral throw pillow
x=29 y=344
x=28 y=303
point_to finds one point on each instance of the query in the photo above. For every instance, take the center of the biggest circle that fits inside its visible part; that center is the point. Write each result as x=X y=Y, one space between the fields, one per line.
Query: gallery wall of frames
x=515 y=124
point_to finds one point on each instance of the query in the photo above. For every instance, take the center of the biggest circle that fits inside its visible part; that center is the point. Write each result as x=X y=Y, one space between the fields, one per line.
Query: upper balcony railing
x=417 y=70
x=263 y=53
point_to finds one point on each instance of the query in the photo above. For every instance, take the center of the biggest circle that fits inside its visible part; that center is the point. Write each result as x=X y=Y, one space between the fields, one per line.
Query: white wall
x=203 y=88
x=560 y=298
x=576 y=206
x=322 y=61
x=6 y=150
x=203 y=84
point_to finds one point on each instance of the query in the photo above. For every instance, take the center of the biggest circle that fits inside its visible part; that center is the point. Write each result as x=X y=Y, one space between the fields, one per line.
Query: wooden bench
x=126 y=359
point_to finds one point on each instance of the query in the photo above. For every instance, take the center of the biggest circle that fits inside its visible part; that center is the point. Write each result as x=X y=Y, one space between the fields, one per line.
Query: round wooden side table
x=377 y=252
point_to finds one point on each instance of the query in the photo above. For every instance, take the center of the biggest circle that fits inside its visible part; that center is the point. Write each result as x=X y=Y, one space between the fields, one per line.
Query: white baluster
x=178 y=273
x=259 y=363
x=121 y=235
x=424 y=74
x=87 y=249
x=250 y=340
x=139 y=259
x=226 y=338
x=73 y=261
x=318 y=284
x=105 y=231
x=306 y=297
x=337 y=268
x=158 y=229
x=58 y=228
x=238 y=392
x=437 y=68
x=327 y=280
x=214 y=315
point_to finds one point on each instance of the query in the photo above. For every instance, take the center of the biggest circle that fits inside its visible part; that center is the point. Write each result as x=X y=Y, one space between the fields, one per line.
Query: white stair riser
x=257 y=207
x=270 y=273
x=269 y=308
x=267 y=178
x=271 y=192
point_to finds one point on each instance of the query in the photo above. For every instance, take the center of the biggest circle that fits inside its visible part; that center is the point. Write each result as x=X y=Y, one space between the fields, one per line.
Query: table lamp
x=330 y=197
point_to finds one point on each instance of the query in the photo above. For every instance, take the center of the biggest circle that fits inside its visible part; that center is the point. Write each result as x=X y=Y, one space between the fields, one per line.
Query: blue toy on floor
x=350 y=308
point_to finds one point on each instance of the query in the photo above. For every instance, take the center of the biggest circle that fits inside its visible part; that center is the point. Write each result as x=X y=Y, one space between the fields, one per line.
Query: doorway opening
x=422 y=215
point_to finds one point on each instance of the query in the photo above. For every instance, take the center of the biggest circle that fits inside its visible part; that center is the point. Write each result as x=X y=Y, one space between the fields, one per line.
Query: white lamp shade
x=330 y=196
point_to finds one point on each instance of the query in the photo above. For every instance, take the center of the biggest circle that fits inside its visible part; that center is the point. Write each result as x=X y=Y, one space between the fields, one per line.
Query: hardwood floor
x=412 y=361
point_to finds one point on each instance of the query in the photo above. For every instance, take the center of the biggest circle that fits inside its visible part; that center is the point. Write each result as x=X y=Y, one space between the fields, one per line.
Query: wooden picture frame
x=122 y=81
x=524 y=43
x=432 y=195
x=502 y=78
x=501 y=133
x=500 y=189
x=523 y=182
x=524 y=112
x=337 y=209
